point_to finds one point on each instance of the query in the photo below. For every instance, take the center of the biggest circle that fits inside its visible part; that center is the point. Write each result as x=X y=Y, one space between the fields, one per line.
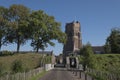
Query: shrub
x=6 y=53
x=17 y=66
x=88 y=56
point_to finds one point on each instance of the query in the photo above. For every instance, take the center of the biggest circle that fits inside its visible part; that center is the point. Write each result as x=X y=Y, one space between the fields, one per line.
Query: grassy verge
x=29 y=61
x=39 y=75
x=105 y=64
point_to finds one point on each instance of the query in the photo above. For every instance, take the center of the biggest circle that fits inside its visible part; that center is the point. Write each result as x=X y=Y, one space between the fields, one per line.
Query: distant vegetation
x=112 y=44
x=22 y=62
x=107 y=63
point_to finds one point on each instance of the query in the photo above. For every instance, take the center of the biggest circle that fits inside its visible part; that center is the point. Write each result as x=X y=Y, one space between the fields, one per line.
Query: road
x=59 y=74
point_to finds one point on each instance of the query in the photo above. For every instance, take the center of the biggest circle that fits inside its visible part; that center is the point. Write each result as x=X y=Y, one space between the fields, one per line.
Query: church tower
x=74 y=40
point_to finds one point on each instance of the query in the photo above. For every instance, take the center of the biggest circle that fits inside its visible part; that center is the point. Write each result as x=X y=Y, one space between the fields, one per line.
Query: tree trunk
x=0 y=45
x=18 y=45
x=84 y=67
x=37 y=49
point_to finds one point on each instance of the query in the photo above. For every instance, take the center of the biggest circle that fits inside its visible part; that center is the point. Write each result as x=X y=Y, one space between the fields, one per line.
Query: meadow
x=28 y=61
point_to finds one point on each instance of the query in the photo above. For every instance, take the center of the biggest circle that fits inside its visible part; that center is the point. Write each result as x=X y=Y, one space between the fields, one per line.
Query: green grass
x=39 y=75
x=29 y=61
x=106 y=62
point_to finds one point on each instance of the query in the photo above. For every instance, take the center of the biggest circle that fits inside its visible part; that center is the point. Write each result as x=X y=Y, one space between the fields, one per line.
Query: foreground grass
x=29 y=61
x=39 y=75
x=106 y=62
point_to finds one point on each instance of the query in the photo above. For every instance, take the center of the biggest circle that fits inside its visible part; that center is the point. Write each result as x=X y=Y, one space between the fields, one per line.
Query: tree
x=88 y=56
x=3 y=26
x=18 y=31
x=113 y=41
x=44 y=30
x=107 y=47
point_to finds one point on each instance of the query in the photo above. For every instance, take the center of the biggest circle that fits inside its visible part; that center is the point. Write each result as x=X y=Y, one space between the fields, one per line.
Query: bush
x=17 y=66
x=47 y=60
x=6 y=53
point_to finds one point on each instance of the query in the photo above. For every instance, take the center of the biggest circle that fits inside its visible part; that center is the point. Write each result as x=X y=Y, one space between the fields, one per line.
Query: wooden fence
x=103 y=75
x=91 y=74
x=22 y=76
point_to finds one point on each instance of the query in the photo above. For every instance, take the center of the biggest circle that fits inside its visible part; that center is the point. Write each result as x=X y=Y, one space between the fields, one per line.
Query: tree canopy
x=88 y=56
x=3 y=24
x=113 y=41
x=45 y=29
x=18 y=24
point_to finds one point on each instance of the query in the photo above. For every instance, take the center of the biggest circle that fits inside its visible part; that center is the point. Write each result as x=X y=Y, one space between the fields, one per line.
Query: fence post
x=76 y=72
x=73 y=70
x=85 y=76
x=80 y=74
x=22 y=76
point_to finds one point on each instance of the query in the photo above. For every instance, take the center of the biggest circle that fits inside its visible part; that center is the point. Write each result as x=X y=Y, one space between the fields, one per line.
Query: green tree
x=107 y=47
x=113 y=41
x=44 y=30
x=3 y=26
x=18 y=31
x=88 y=56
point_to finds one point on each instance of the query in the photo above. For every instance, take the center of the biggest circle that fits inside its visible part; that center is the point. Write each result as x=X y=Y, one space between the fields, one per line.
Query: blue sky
x=97 y=18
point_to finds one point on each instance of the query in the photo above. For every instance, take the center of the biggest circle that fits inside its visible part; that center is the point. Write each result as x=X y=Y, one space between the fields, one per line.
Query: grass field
x=29 y=61
x=107 y=62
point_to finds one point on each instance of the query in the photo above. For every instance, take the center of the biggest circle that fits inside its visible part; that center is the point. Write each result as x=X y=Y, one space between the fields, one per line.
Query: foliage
x=113 y=41
x=105 y=64
x=88 y=56
x=29 y=61
x=18 y=24
x=17 y=66
x=3 y=26
x=80 y=58
x=6 y=53
x=108 y=62
x=44 y=29
x=18 y=30
x=48 y=59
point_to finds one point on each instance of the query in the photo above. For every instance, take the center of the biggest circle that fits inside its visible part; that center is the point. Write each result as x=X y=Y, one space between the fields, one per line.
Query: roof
x=98 y=49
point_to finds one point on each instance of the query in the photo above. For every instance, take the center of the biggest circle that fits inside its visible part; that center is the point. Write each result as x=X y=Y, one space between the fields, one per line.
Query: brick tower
x=74 y=40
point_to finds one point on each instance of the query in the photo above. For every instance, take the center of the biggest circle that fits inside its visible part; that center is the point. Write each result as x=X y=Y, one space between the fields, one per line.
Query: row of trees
x=18 y=24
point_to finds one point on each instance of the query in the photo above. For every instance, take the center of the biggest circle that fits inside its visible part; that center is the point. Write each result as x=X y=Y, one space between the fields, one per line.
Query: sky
x=97 y=18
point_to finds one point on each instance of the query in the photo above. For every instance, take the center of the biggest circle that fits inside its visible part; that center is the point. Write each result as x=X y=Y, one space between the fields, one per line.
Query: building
x=74 y=40
x=98 y=49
